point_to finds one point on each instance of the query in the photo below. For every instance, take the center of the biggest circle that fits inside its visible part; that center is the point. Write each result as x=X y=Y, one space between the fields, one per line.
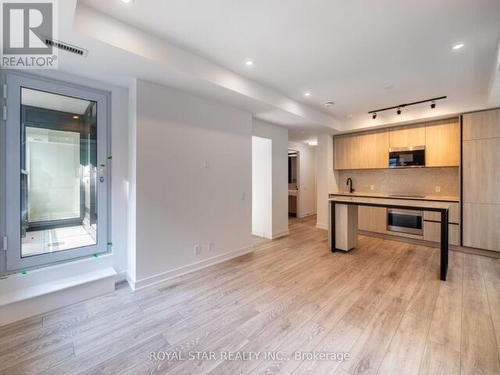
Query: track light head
x=374 y=116
x=399 y=111
x=433 y=105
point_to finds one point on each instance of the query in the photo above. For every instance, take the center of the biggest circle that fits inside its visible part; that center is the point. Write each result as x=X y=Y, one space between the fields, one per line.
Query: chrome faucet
x=349 y=183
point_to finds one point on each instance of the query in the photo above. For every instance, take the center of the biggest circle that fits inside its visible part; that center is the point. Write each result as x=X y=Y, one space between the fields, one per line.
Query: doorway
x=293 y=183
x=57 y=167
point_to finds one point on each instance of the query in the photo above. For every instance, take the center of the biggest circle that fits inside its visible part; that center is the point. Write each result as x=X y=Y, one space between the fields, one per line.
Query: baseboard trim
x=322 y=226
x=164 y=276
x=307 y=214
x=263 y=235
x=280 y=234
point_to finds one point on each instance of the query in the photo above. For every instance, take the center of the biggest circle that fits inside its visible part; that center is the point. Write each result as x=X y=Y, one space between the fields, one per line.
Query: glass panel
x=58 y=172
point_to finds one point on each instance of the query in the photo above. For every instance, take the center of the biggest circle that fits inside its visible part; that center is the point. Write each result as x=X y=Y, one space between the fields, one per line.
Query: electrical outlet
x=207 y=164
x=243 y=196
x=372 y=187
x=211 y=247
x=197 y=250
x=438 y=189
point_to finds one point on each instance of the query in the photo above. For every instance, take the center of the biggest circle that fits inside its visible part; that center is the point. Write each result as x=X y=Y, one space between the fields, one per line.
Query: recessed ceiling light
x=307 y=94
x=75 y=117
x=127 y=1
x=312 y=142
x=249 y=62
x=458 y=46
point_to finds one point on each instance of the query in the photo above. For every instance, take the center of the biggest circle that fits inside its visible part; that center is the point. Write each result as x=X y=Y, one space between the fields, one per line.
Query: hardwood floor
x=382 y=304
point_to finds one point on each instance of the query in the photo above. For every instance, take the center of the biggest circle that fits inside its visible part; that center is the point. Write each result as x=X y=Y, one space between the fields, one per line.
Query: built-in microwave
x=405 y=221
x=404 y=157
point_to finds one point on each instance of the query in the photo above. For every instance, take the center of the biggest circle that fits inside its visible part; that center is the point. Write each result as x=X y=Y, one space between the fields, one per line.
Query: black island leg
x=332 y=226
x=444 y=244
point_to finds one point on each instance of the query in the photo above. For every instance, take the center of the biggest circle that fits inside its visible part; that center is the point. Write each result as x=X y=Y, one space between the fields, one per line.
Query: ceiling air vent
x=66 y=47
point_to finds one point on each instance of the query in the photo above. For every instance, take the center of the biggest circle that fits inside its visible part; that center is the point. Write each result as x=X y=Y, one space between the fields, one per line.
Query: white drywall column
x=279 y=137
x=326 y=178
x=262 y=187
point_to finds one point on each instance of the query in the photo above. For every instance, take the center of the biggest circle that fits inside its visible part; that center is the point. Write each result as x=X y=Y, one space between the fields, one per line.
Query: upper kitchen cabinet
x=346 y=152
x=370 y=150
x=442 y=144
x=374 y=147
x=481 y=125
x=361 y=151
x=407 y=136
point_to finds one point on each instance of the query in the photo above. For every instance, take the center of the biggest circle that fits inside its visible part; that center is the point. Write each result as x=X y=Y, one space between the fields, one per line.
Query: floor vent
x=66 y=47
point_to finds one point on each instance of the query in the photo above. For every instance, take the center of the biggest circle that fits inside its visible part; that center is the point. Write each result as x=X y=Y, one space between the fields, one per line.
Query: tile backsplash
x=422 y=181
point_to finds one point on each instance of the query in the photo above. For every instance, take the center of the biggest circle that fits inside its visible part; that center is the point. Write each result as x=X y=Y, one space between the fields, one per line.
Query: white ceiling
x=362 y=55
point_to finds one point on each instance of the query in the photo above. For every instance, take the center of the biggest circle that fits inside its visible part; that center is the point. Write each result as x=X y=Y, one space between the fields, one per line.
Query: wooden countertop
x=438 y=198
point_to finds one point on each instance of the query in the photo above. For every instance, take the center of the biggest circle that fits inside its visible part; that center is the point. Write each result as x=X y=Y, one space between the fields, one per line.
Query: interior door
x=57 y=171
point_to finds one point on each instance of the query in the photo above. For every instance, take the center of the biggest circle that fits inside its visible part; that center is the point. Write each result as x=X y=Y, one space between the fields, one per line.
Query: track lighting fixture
x=401 y=106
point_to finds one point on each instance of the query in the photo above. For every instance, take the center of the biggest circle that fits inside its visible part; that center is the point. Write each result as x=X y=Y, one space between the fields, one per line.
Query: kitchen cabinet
x=442 y=144
x=481 y=180
x=361 y=151
x=432 y=232
x=374 y=150
x=407 y=136
x=347 y=152
x=370 y=150
x=372 y=219
x=480 y=226
x=453 y=214
x=481 y=170
x=481 y=125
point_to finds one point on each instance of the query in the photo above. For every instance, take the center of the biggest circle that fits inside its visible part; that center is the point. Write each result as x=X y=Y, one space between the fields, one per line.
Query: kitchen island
x=343 y=218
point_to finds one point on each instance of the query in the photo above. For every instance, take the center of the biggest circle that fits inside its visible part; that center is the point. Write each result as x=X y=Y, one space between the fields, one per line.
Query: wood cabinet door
x=340 y=152
x=481 y=125
x=481 y=225
x=442 y=145
x=481 y=171
x=374 y=150
x=453 y=214
x=407 y=136
x=432 y=232
x=372 y=219
x=347 y=152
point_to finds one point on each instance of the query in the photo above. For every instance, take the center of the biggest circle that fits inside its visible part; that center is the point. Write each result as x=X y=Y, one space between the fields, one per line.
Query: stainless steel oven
x=405 y=221
x=405 y=157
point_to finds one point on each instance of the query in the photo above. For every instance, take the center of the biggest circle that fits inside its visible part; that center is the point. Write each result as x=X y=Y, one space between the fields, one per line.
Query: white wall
x=326 y=178
x=307 y=177
x=193 y=186
x=279 y=137
x=262 y=187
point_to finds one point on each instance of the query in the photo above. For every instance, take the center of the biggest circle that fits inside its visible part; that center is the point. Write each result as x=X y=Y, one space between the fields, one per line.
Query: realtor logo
x=25 y=28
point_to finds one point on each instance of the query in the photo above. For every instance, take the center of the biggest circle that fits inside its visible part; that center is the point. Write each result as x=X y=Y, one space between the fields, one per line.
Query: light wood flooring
x=382 y=303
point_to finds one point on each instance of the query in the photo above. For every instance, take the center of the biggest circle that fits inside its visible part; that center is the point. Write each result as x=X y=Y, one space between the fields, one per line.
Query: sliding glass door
x=56 y=171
